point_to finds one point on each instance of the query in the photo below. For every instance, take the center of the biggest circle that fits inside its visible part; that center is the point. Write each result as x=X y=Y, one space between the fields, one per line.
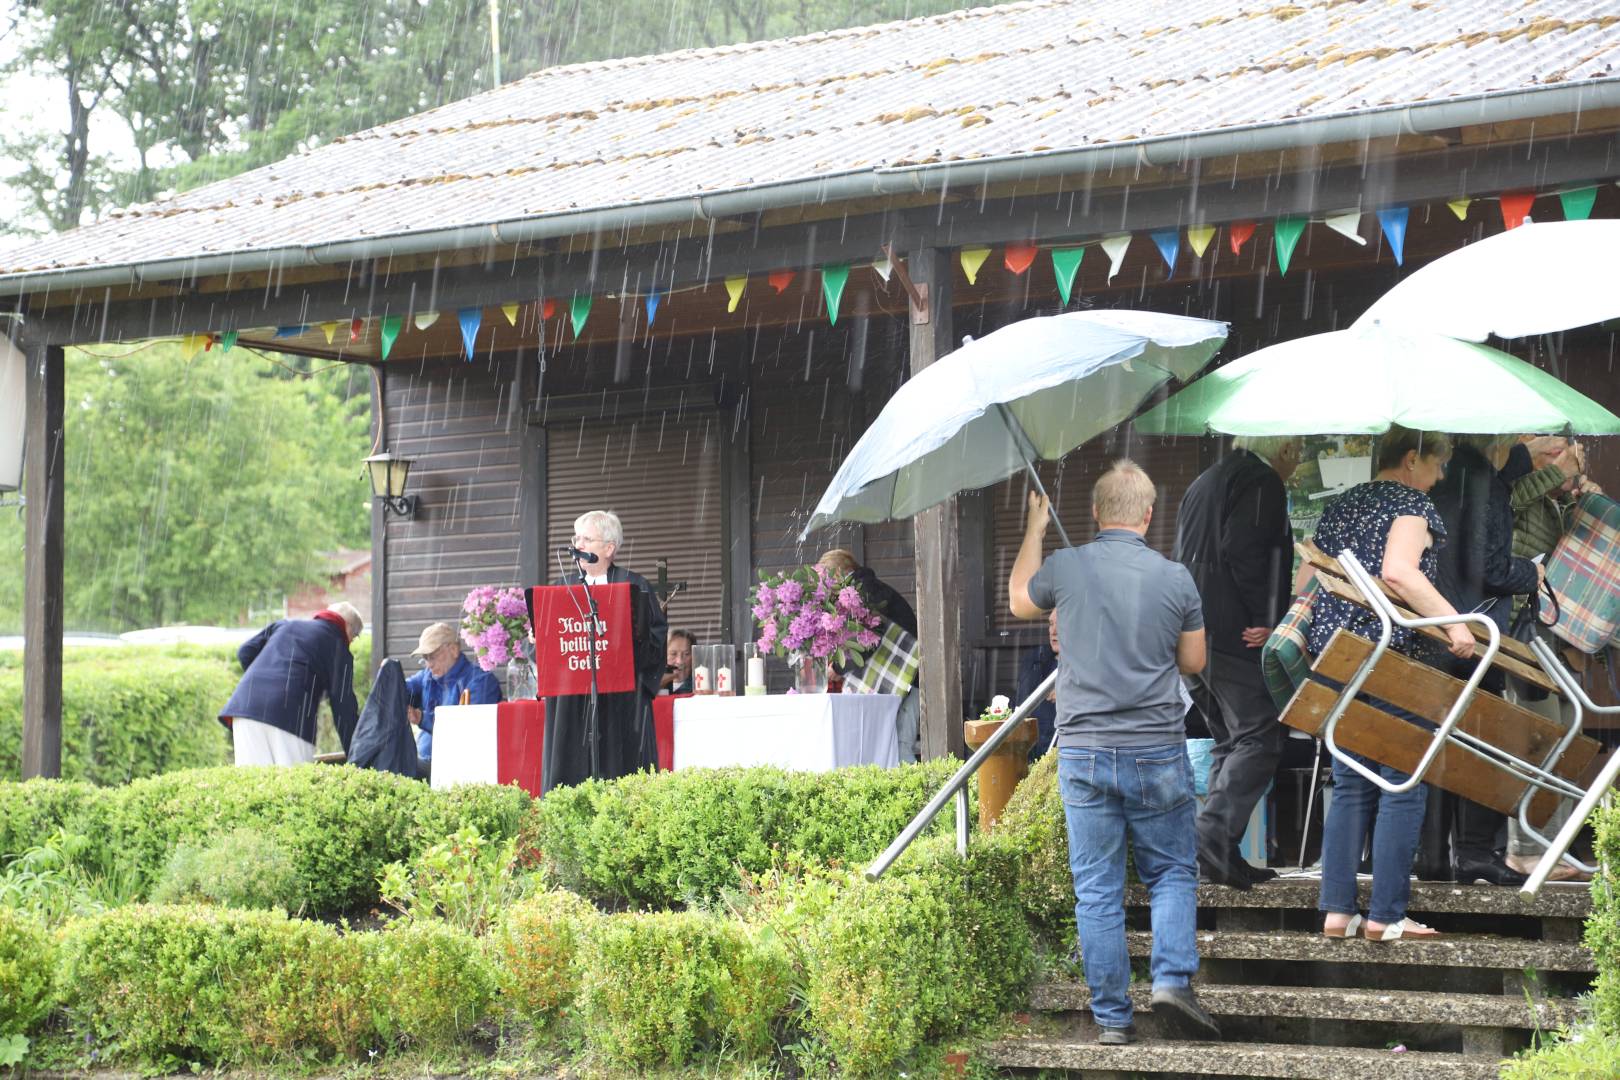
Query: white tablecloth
x=813 y=732
x=464 y=745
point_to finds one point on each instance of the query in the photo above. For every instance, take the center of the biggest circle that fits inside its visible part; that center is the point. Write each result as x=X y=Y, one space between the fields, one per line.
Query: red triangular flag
x=548 y=308
x=1019 y=257
x=780 y=280
x=1515 y=207
x=355 y=328
x=1238 y=233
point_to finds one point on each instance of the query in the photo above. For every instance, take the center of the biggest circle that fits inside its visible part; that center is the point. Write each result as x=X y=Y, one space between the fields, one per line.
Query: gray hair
x=351 y=616
x=1267 y=447
x=604 y=523
x=1124 y=494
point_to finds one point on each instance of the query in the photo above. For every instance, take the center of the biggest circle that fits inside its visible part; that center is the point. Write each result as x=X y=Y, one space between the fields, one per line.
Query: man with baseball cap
x=445 y=674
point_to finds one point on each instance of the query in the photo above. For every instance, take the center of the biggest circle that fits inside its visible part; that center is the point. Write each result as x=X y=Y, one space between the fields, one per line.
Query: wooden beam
x=42 y=562
x=939 y=586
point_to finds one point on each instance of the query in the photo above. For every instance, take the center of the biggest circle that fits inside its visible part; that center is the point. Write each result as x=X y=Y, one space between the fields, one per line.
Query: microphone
x=577 y=555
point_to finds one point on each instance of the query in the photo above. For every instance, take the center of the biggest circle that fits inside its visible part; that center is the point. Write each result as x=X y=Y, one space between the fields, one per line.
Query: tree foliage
x=209 y=88
x=198 y=489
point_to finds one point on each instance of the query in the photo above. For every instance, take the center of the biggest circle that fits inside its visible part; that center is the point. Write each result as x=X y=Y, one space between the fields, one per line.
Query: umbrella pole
x=1035 y=479
x=1024 y=448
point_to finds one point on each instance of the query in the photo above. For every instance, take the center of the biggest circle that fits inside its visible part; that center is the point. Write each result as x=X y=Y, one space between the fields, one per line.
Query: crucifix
x=666 y=589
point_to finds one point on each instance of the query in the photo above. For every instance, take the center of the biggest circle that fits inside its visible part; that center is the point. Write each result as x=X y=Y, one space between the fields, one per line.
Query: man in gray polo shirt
x=1129 y=625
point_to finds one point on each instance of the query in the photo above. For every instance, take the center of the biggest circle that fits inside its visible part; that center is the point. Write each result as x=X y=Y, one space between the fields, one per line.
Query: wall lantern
x=388 y=474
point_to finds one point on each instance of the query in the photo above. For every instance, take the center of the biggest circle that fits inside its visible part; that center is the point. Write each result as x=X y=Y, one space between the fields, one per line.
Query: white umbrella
x=1537 y=279
x=1034 y=389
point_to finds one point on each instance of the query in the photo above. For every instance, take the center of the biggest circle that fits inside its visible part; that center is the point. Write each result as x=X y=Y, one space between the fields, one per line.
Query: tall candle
x=722 y=682
x=700 y=681
x=756 y=671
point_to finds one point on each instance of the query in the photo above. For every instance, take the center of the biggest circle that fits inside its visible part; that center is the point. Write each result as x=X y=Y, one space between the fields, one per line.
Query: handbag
x=1584 y=573
x=1527 y=625
x=1285 y=658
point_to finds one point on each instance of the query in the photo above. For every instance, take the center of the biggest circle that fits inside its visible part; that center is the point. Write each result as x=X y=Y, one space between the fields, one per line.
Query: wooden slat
x=1513 y=657
x=1429 y=692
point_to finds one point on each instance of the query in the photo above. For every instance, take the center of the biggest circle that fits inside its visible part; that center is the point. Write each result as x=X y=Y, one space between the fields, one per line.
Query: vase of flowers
x=495 y=624
x=814 y=618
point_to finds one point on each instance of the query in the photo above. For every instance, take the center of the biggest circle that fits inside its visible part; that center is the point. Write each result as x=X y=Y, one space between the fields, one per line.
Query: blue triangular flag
x=652 y=304
x=1169 y=242
x=290 y=331
x=470 y=318
x=1393 y=222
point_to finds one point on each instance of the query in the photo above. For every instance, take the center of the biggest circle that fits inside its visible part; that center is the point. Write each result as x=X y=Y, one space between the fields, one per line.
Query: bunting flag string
x=291 y=331
x=1238 y=234
x=1577 y=204
x=1460 y=208
x=425 y=319
x=329 y=329
x=881 y=264
x=548 y=308
x=1019 y=257
x=1114 y=247
x=510 y=311
x=781 y=279
x=1168 y=241
x=1393 y=222
x=1515 y=207
x=1347 y=224
x=227 y=340
x=193 y=345
x=972 y=258
x=653 y=298
x=1065 y=261
x=389 y=333
x=1198 y=238
x=833 y=279
x=1285 y=234
x=579 y=311
x=357 y=326
x=470 y=318
x=734 y=289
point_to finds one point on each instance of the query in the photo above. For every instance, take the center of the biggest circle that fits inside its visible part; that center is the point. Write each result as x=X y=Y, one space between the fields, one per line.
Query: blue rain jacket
x=423 y=691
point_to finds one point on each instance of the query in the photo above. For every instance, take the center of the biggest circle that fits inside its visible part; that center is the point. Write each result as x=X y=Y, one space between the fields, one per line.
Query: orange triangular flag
x=780 y=280
x=355 y=328
x=1238 y=233
x=1019 y=257
x=548 y=308
x=1515 y=207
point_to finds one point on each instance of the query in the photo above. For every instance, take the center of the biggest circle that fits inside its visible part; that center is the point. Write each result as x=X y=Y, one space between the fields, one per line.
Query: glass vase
x=809 y=674
x=522 y=681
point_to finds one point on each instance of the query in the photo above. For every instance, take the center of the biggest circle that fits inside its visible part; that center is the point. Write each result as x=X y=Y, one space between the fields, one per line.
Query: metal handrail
x=957 y=786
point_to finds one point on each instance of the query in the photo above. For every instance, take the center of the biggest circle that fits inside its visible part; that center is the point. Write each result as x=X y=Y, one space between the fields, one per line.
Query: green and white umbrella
x=1036 y=388
x=1362 y=380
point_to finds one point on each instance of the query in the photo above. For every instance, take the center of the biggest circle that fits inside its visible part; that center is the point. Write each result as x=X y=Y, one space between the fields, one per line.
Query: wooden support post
x=939 y=586
x=42 y=564
x=379 y=530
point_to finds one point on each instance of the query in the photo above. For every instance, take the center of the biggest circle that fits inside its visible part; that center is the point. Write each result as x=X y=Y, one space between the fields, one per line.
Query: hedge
x=1603 y=925
x=27 y=966
x=340 y=826
x=667 y=839
x=141 y=711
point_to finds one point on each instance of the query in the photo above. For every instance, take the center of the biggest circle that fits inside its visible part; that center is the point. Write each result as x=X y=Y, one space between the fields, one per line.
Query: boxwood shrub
x=27 y=968
x=427 y=983
x=536 y=947
x=1603 y=925
x=31 y=812
x=665 y=839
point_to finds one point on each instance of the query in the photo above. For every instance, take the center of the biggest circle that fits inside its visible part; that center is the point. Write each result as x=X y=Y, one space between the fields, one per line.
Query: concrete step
x=1283 y=1060
x=1557 y=900
x=1449 y=950
x=1329 y=1003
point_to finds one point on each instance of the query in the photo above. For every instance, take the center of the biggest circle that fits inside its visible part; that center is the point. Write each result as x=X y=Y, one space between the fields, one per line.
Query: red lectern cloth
x=520 y=743
x=562 y=640
x=664 y=728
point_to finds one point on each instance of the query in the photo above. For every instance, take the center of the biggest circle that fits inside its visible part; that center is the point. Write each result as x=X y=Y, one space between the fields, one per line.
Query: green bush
x=665 y=839
x=243 y=869
x=536 y=947
x=935 y=945
x=27 y=963
x=1032 y=828
x=34 y=811
x=428 y=983
x=1603 y=925
x=128 y=718
x=167 y=986
x=661 y=987
x=1584 y=1054
x=465 y=880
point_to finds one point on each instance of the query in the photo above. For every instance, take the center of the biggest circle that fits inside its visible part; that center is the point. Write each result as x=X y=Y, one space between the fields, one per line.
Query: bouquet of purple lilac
x=495 y=622
x=815 y=612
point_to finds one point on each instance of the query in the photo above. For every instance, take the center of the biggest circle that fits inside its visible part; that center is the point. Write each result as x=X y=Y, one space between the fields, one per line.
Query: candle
x=700 y=681
x=722 y=682
x=756 y=671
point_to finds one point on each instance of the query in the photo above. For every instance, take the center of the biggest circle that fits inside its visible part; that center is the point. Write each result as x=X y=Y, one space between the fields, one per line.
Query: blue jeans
x=1147 y=792
x=1397 y=821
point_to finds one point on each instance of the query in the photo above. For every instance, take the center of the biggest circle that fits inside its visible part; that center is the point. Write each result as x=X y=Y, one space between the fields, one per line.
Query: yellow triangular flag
x=972 y=259
x=510 y=311
x=1199 y=237
x=1115 y=247
x=329 y=328
x=192 y=344
x=1346 y=223
x=425 y=319
x=1460 y=208
x=734 y=289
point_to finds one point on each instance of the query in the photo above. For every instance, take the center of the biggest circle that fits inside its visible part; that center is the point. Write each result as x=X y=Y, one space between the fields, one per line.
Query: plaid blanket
x=1584 y=573
x=890 y=668
x=1285 y=658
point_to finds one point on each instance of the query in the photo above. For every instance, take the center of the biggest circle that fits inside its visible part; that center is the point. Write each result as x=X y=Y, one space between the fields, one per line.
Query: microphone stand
x=591 y=726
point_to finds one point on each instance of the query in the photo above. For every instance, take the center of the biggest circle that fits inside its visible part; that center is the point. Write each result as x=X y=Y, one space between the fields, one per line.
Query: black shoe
x=1495 y=872
x=1259 y=875
x=1117 y=1036
x=1215 y=875
x=1179 y=1007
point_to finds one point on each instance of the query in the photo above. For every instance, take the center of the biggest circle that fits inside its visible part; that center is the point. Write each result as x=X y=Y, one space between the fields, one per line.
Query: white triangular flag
x=1115 y=247
x=884 y=268
x=1346 y=223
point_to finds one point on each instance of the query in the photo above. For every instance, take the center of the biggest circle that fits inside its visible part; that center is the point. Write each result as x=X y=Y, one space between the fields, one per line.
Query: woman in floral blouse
x=1392 y=527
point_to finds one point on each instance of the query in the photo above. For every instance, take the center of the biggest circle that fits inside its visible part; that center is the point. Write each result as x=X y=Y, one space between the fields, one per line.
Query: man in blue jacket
x=445 y=674
x=286 y=669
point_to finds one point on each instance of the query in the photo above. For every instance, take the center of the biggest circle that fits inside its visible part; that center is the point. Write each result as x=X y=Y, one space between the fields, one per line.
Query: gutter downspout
x=1170 y=150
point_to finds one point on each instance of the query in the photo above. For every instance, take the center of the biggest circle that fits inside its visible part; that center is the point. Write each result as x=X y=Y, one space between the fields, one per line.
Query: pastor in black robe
x=624 y=725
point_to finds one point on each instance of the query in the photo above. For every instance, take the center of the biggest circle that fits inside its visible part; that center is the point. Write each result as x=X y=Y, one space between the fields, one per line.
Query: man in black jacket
x=1232 y=533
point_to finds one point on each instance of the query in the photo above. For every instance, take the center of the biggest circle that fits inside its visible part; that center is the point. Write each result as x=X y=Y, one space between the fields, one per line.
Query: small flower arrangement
x=814 y=612
x=1000 y=708
x=495 y=623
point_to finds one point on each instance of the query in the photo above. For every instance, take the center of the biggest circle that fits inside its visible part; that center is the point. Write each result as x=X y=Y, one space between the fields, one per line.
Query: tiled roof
x=1011 y=80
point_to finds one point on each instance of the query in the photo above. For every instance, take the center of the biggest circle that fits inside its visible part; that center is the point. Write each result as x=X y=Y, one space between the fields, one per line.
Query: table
x=505 y=743
x=813 y=732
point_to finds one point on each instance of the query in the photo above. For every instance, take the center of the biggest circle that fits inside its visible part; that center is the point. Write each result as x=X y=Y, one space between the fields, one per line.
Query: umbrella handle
x=1051 y=509
x=1024 y=447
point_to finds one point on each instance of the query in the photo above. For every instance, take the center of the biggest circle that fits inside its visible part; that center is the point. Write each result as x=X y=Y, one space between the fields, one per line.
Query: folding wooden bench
x=1483 y=747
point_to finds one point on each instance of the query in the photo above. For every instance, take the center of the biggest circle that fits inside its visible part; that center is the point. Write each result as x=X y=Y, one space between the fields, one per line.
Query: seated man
x=1038 y=663
x=445 y=674
x=678 y=663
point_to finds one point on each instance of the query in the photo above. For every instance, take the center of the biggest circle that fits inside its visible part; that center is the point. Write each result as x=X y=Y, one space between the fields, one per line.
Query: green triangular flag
x=1065 y=261
x=579 y=311
x=226 y=340
x=390 y=330
x=832 y=288
x=1285 y=233
x=1578 y=204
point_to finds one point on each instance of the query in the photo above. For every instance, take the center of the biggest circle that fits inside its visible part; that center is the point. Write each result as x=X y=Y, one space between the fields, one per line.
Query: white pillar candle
x=756 y=671
x=700 y=680
x=722 y=682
